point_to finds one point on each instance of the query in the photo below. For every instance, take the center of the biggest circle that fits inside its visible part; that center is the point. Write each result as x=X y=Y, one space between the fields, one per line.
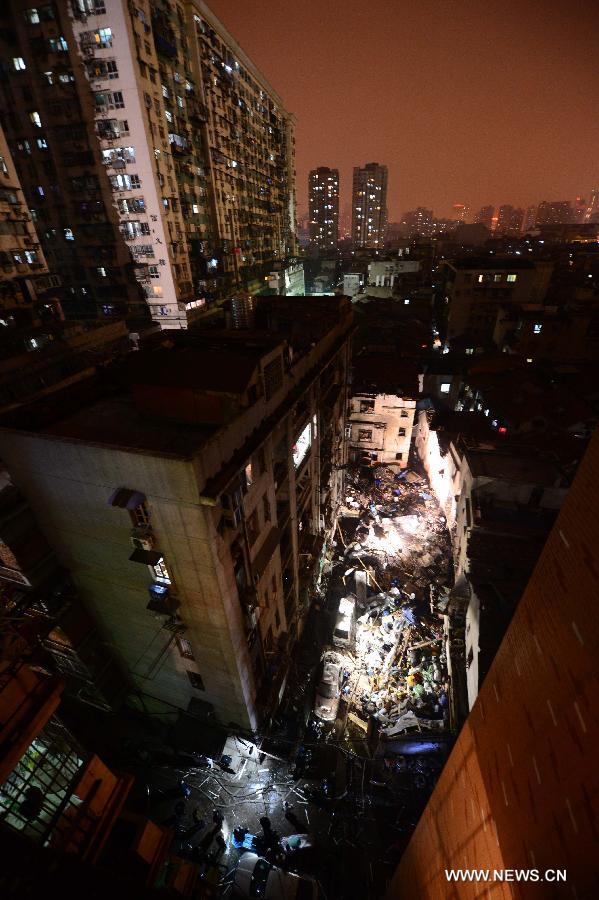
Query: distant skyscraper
x=530 y=218
x=418 y=221
x=510 y=220
x=323 y=200
x=592 y=210
x=556 y=212
x=485 y=217
x=369 y=205
x=460 y=212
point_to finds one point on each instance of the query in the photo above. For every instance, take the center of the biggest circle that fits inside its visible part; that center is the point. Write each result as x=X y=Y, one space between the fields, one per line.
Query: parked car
x=328 y=689
x=256 y=877
x=345 y=625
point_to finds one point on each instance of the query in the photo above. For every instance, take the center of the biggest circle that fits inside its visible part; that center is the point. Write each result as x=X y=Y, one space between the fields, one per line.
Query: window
x=196 y=680
x=364 y=434
x=302 y=445
x=511 y=278
x=19 y=63
x=35 y=118
x=57 y=45
x=184 y=648
x=445 y=387
x=496 y=278
x=253 y=529
x=42 y=143
x=266 y=509
x=399 y=456
x=249 y=474
x=404 y=414
x=401 y=432
x=68 y=234
x=537 y=328
x=103 y=37
x=161 y=572
x=32 y=16
x=125 y=182
x=366 y=406
x=480 y=279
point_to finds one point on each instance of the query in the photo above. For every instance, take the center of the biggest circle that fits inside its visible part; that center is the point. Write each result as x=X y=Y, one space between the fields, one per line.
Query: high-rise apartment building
x=156 y=159
x=530 y=218
x=556 y=212
x=369 y=205
x=190 y=491
x=418 y=221
x=27 y=290
x=460 y=212
x=592 y=210
x=509 y=220
x=323 y=201
x=485 y=217
x=521 y=786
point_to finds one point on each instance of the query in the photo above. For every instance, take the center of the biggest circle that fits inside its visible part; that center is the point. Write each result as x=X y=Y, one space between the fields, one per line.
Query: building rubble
x=394 y=557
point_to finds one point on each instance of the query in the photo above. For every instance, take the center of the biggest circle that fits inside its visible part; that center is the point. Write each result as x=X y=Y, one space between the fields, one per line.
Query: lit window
x=511 y=278
x=195 y=208
x=102 y=271
x=19 y=63
x=496 y=277
x=68 y=234
x=537 y=328
x=481 y=278
x=161 y=572
x=406 y=302
x=42 y=143
x=445 y=387
x=35 y=118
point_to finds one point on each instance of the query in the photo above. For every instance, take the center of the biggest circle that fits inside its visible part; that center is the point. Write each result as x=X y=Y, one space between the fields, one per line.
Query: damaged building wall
x=381 y=425
x=521 y=786
x=441 y=466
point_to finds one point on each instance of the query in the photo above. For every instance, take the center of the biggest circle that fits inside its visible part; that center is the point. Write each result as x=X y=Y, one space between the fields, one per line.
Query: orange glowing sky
x=477 y=101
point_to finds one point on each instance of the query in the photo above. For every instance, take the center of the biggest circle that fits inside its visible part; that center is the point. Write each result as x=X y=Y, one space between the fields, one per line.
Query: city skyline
x=476 y=101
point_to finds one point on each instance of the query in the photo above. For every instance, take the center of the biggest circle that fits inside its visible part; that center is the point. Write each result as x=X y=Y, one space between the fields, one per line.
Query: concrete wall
x=68 y=486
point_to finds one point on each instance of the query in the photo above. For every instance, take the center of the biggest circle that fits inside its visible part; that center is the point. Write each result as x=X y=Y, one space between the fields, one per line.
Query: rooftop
x=471 y=263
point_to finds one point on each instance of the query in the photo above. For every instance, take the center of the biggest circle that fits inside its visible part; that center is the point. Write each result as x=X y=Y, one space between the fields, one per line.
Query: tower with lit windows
x=369 y=205
x=323 y=201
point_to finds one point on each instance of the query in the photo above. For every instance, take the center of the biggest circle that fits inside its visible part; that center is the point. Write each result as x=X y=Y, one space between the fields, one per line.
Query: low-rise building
x=477 y=287
x=189 y=492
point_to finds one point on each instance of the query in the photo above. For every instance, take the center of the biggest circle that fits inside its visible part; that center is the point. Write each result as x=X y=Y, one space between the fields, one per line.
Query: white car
x=256 y=877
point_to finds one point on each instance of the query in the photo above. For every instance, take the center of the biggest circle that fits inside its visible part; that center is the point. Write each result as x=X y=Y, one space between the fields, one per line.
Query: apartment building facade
x=369 y=206
x=380 y=427
x=191 y=503
x=155 y=157
x=323 y=201
x=27 y=290
x=478 y=288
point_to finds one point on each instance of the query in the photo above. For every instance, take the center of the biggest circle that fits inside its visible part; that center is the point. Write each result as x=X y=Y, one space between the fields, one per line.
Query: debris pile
x=397 y=565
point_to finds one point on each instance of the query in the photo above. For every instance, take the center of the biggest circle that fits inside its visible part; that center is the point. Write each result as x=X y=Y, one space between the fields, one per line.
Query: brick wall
x=521 y=786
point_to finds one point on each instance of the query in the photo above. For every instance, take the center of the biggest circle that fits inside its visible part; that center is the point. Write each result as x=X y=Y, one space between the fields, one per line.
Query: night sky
x=473 y=101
